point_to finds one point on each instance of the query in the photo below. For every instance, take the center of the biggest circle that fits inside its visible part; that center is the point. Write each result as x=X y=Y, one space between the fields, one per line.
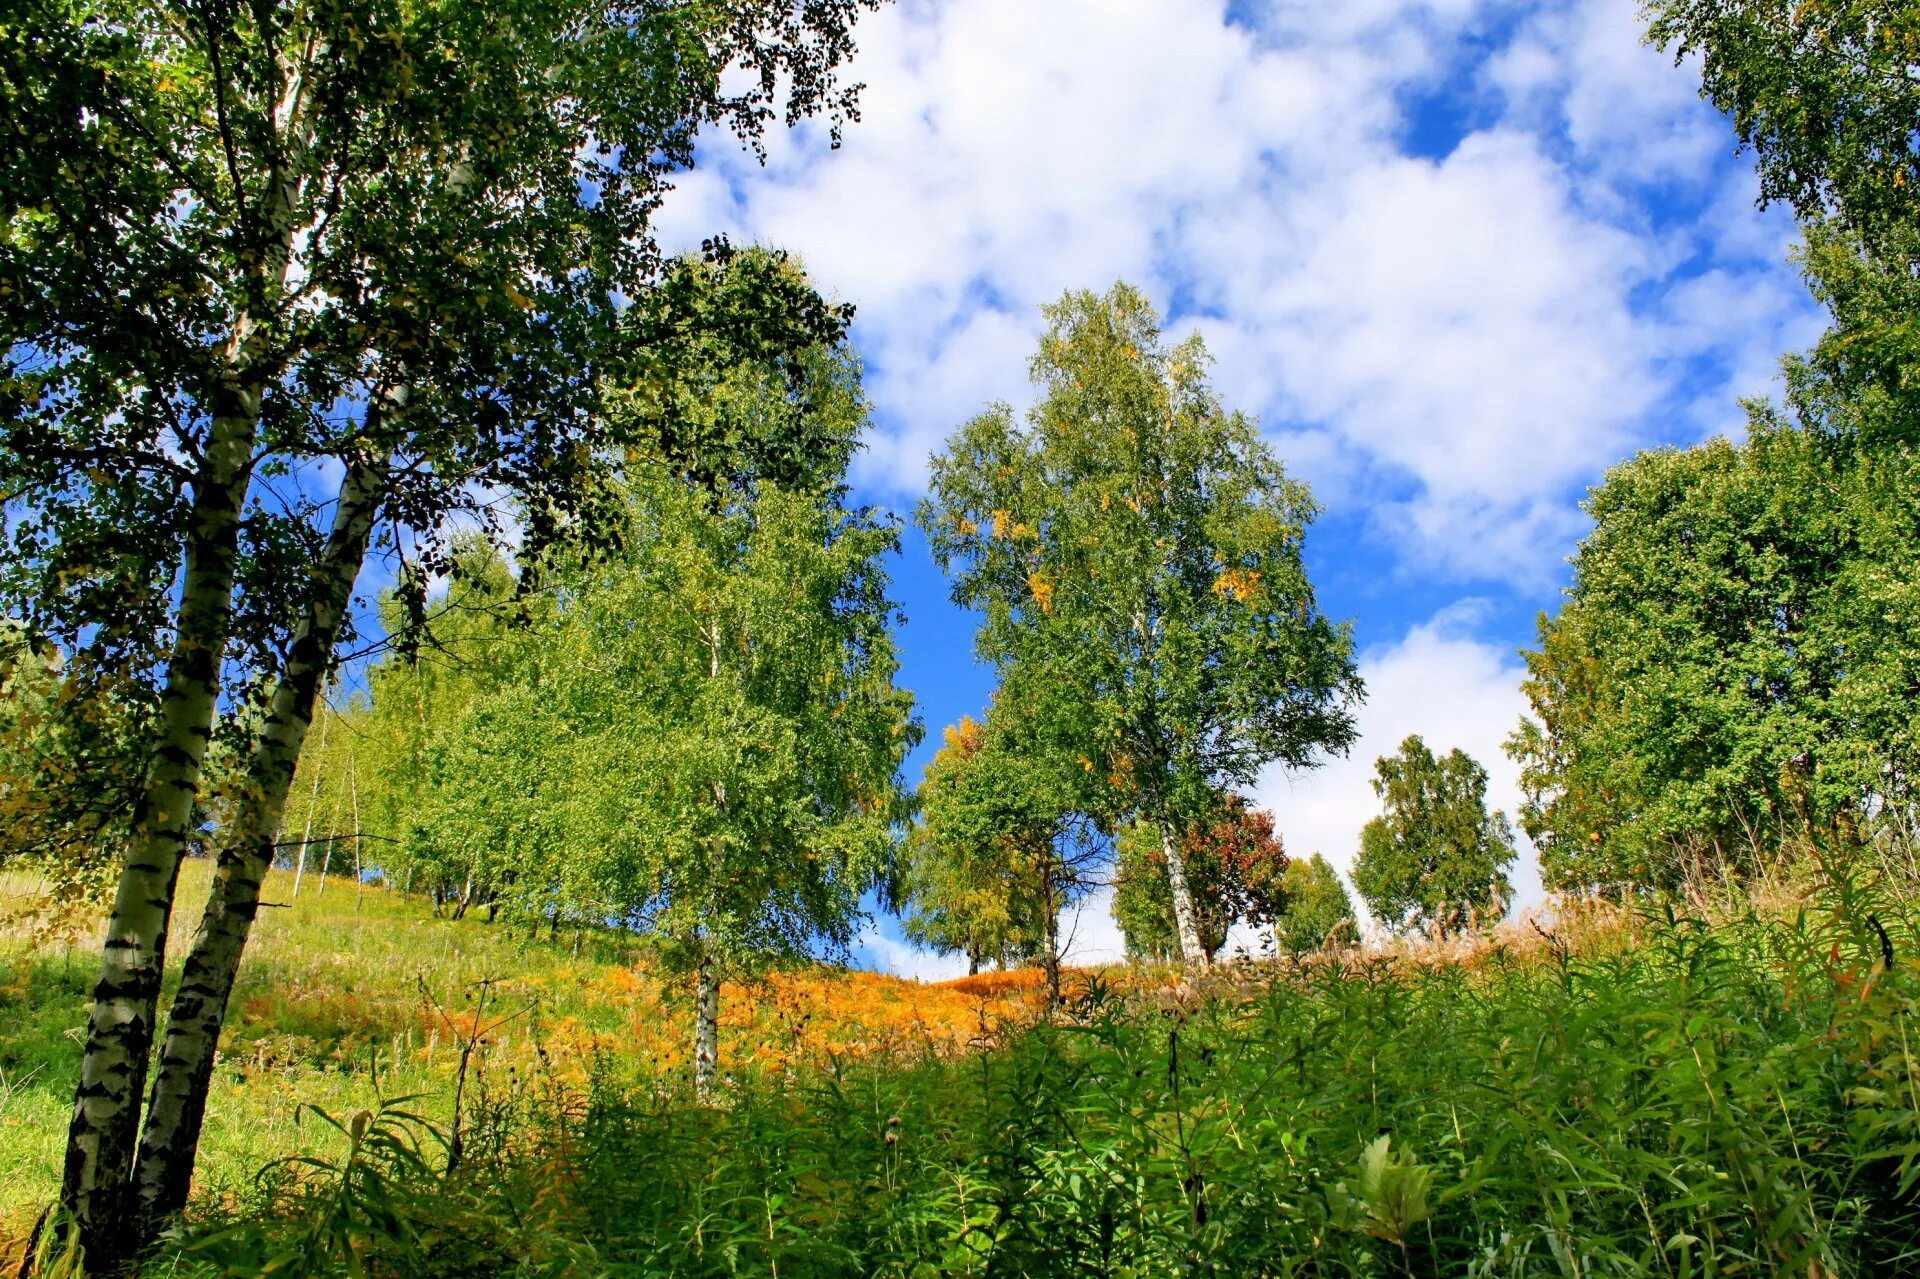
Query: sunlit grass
x=342 y=983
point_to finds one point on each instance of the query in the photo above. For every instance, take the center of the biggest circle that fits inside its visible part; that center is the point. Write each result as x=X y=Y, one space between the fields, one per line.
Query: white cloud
x=1461 y=343
x=904 y=959
x=1451 y=689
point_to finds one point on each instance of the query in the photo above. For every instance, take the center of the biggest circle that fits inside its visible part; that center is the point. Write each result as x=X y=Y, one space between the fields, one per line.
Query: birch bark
x=176 y=1108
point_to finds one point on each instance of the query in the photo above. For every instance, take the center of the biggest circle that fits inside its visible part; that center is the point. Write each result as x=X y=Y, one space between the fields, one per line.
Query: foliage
x=1825 y=95
x=736 y=732
x=1235 y=867
x=1733 y=665
x=69 y=766
x=1135 y=553
x=1670 y=1095
x=962 y=879
x=1435 y=857
x=1316 y=910
x=419 y=217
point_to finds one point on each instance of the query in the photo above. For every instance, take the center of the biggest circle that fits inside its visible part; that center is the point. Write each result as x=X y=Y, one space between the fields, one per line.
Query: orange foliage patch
x=1029 y=980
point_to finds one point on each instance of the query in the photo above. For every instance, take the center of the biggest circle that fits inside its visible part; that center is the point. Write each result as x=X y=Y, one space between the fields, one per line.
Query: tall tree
x=736 y=732
x=1235 y=869
x=251 y=248
x=1135 y=550
x=1316 y=909
x=1435 y=857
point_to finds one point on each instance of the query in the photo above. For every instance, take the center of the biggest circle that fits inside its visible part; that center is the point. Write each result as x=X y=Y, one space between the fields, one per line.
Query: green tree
x=1734 y=663
x=247 y=248
x=999 y=850
x=1317 y=909
x=965 y=895
x=735 y=731
x=1235 y=869
x=1135 y=551
x=458 y=802
x=1435 y=857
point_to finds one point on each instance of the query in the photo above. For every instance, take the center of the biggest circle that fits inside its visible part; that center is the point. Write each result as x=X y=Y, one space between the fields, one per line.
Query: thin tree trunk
x=177 y=1107
x=359 y=871
x=1051 y=903
x=1192 y=953
x=706 y=1024
x=97 y=1177
x=313 y=797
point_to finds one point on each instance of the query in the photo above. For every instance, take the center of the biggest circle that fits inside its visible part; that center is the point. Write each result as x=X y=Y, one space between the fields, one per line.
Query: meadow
x=350 y=994
x=1717 y=1090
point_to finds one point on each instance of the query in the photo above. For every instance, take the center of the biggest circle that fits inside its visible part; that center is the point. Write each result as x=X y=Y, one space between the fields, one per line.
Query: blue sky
x=1458 y=257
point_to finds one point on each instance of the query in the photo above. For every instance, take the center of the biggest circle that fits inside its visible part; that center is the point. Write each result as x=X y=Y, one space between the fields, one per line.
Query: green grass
x=1657 y=1095
x=332 y=985
x=344 y=994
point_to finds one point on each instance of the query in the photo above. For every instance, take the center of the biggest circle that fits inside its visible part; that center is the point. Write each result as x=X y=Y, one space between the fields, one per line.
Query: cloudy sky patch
x=1458 y=257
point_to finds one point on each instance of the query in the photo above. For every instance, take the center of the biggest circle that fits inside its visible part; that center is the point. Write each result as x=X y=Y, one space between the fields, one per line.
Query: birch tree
x=736 y=731
x=1435 y=857
x=281 y=283
x=1135 y=549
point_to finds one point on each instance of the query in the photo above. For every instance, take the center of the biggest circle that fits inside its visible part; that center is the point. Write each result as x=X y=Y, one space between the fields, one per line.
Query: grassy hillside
x=1627 y=1092
x=343 y=988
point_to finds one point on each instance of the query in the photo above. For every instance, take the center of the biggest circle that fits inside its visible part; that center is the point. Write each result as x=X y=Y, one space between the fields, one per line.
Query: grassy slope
x=340 y=983
x=1642 y=1094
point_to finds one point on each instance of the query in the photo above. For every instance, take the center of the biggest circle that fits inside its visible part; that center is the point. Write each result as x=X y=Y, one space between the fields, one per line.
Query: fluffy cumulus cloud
x=1459 y=256
x=1450 y=252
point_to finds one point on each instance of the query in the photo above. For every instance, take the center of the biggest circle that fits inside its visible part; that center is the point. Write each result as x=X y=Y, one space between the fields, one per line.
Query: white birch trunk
x=1186 y=923
x=177 y=1106
x=706 y=1024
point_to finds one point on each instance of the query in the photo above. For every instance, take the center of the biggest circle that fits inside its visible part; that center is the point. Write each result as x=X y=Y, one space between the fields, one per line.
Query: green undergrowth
x=337 y=984
x=1669 y=1097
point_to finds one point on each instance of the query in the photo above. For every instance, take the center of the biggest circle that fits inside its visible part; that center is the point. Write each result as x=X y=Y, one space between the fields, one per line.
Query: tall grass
x=345 y=992
x=1670 y=1096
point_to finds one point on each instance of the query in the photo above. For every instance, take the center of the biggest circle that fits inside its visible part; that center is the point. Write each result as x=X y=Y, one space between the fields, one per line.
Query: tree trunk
x=1052 y=943
x=177 y=1107
x=95 y=1187
x=706 y=1024
x=1192 y=953
x=313 y=798
x=97 y=1181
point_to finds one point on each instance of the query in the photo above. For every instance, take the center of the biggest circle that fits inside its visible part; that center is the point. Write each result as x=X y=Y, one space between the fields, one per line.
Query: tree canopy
x=1317 y=910
x=1435 y=857
x=1135 y=550
x=1824 y=94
